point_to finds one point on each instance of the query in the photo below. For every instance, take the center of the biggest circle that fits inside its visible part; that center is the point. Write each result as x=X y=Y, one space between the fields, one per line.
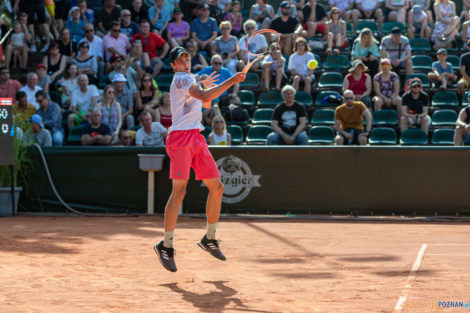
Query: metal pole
x=151 y=193
x=12 y=172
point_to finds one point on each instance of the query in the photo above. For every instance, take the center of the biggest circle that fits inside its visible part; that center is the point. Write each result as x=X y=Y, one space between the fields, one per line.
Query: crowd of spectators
x=101 y=63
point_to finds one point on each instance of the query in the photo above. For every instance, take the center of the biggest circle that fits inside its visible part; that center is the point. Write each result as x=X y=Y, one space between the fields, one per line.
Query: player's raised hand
x=239 y=77
x=210 y=80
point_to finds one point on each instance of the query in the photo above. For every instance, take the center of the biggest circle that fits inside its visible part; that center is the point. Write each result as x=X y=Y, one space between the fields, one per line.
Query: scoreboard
x=7 y=132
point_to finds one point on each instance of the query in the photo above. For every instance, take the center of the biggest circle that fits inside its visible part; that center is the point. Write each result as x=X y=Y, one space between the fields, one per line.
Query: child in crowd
x=18 y=50
x=442 y=73
x=336 y=32
x=273 y=66
x=43 y=79
x=298 y=65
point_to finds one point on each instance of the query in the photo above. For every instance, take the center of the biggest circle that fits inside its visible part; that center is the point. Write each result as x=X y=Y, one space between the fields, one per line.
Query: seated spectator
x=109 y=14
x=257 y=45
x=336 y=30
x=417 y=23
x=54 y=62
x=214 y=11
x=159 y=17
x=123 y=66
x=164 y=110
x=386 y=88
x=171 y=5
x=396 y=48
x=151 y=43
x=96 y=133
x=462 y=130
x=43 y=79
x=151 y=133
x=38 y=134
x=115 y=43
x=415 y=108
x=226 y=45
x=234 y=16
x=465 y=14
x=87 y=64
x=273 y=66
x=287 y=26
x=345 y=7
x=314 y=20
x=426 y=8
x=23 y=19
x=95 y=5
x=298 y=65
x=366 y=49
x=292 y=9
x=69 y=83
x=95 y=45
x=262 y=13
x=178 y=30
x=61 y=13
x=289 y=121
x=83 y=99
x=128 y=27
x=146 y=98
x=464 y=82
x=36 y=13
x=204 y=29
x=31 y=88
x=397 y=10
x=22 y=109
x=125 y=98
x=51 y=116
x=124 y=138
x=75 y=25
x=17 y=50
x=359 y=82
x=447 y=24
x=348 y=121
x=66 y=46
x=219 y=135
x=443 y=73
x=111 y=113
x=87 y=15
x=198 y=62
x=369 y=10
x=140 y=60
x=138 y=11
x=8 y=87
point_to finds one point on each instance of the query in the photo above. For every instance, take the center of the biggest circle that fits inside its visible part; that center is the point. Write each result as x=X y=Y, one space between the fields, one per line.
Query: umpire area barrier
x=267 y=180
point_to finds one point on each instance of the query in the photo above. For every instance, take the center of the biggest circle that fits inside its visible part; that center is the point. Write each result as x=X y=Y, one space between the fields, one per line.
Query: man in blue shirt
x=159 y=17
x=51 y=115
x=204 y=29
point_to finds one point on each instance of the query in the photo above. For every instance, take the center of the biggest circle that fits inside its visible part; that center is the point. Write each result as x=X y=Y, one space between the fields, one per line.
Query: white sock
x=211 y=231
x=168 y=239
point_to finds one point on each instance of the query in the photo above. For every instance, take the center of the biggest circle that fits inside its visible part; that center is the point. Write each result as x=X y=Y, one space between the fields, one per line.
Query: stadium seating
x=237 y=134
x=321 y=96
x=367 y=24
x=240 y=123
x=423 y=77
x=336 y=62
x=443 y=137
x=257 y=135
x=420 y=45
x=164 y=81
x=304 y=98
x=75 y=134
x=385 y=117
x=422 y=63
x=455 y=61
x=323 y=117
x=269 y=99
x=324 y=135
x=383 y=136
x=445 y=99
x=247 y=99
x=413 y=137
x=388 y=26
x=330 y=80
x=252 y=81
x=262 y=117
x=444 y=118
x=207 y=130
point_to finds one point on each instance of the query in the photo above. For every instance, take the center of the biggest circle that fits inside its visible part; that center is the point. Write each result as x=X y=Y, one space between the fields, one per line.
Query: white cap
x=119 y=78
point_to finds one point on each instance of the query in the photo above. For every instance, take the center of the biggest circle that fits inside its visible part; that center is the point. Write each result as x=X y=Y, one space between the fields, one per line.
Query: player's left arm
x=213 y=92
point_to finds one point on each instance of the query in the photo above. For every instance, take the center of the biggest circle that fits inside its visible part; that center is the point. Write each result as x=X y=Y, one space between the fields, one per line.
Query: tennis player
x=187 y=148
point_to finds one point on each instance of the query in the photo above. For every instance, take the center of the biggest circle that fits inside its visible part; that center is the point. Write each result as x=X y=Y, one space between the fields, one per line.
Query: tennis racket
x=259 y=56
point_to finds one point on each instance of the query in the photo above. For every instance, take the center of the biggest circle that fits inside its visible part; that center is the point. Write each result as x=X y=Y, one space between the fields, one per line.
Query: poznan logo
x=237 y=179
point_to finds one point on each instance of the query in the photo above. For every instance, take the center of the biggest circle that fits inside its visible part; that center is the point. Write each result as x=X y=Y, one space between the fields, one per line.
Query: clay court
x=79 y=264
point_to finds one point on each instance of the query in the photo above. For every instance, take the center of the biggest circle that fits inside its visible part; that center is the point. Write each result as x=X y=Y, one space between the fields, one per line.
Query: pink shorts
x=188 y=148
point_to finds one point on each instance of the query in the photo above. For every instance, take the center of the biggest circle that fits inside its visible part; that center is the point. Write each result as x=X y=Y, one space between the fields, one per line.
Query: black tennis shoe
x=165 y=256
x=211 y=246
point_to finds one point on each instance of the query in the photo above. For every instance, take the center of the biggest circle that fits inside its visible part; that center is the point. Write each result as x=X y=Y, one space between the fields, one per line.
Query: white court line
x=443 y=254
x=414 y=269
x=448 y=244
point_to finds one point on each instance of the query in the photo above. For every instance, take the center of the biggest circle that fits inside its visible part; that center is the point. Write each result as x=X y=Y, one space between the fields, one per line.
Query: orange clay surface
x=78 y=264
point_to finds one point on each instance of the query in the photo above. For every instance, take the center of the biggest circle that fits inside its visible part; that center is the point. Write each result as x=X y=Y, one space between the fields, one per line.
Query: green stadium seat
x=330 y=80
x=136 y=127
x=323 y=117
x=269 y=99
x=323 y=135
x=237 y=134
x=350 y=31
x=75 y=134
x=465 y=100
x=455 y=61
x=207 y=130
x=423 y=77
x=388 y=26
x=336 y=62
x=385 y=117
x=104 y=81
x=251 y=81
x=164 y=81
x=420 y=45
x=242 y=123
x=444 y=118
x=383 y=136
x=321 y=96
x=262 y=117
x=367 y=24
x=304 y=98
x=443 y=137
x=413 y=137
x=445 y=99
x=245 y=14
x=247 y=99
x=166 y=65
x=422 y=63
x=257 y=135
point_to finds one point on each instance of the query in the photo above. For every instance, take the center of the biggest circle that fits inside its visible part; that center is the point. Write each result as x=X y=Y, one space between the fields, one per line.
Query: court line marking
x=444 y=254
x=448 y=244
x=411 y=277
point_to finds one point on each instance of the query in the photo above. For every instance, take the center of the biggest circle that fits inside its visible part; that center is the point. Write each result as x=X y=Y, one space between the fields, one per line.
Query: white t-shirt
x=368 y=4
x=17 y=39
x=83 y=100
x=185 y=110
x=300 y=62
x=155 y=138
x=255 y=45
x=31 y=94
x=96 y=46
x=269 y=59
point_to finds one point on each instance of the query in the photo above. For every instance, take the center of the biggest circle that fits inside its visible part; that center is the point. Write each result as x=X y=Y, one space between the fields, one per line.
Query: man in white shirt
x=187 y=148
x=31 y=87
x=151 y=134
x=96 y=46
x=83 y=101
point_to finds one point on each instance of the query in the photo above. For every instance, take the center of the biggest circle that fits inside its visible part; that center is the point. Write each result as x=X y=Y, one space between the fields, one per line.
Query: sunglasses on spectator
x=250 y=28
x=217 y=63
x=84 y=46
x=127 y=137
x=39 y=100
x=88 y=30
x=219 y=121
x=349 y=98
x=126 y=15
x=116 y=30
x=418 y=86
x=385 y=65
